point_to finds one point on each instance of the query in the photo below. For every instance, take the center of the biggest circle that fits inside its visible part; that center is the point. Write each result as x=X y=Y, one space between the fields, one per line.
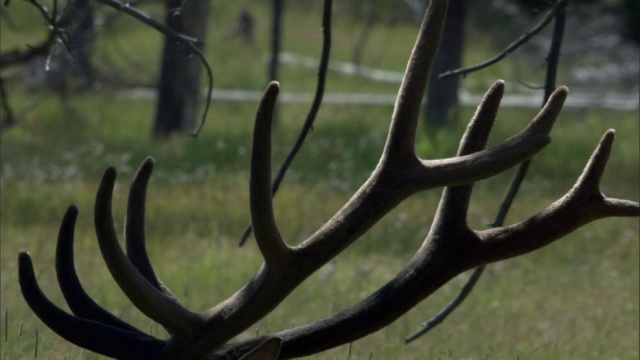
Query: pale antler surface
x=450 y=248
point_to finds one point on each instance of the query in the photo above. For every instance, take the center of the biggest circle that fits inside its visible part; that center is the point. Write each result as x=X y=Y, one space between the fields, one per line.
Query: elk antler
x=450 y=248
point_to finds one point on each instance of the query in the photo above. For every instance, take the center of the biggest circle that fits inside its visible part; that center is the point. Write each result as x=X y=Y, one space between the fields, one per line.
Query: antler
x=450 y=248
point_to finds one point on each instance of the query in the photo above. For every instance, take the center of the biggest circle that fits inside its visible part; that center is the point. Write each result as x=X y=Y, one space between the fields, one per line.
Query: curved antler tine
x=76 y=297
x=454 y=203
x=153 y=303
x=101 y=338
x=266 y=231
x=589 y=181
x=267 y=350
x=400 y=142
x=543 y=122
x=477 y=133
x=134 y=233
x=510 y=152
x=584 y=203
x=590 y=178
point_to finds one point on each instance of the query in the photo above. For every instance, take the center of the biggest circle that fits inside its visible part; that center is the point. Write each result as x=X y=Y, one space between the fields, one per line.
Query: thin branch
x=58 y=32
x=205 y=63
x=552 y=66
x=439 y=317
x=17 y=57
x=315 y=106
x=8 y=118
x=190 y=41
x=553 y=12
x=56 y=23
x=148 y=20
x=529 y=86
x=549 y=87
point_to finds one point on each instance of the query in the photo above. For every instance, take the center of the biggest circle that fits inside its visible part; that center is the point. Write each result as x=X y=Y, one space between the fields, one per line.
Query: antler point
x=147 y=166
x=24 y=261
x=111 y=173
x=275 y=85
x=562 y=90
x=150 y=160
x=607 y=138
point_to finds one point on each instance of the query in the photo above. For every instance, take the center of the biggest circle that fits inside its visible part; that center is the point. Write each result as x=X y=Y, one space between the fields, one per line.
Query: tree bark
x=179 y=85
x=442 y=94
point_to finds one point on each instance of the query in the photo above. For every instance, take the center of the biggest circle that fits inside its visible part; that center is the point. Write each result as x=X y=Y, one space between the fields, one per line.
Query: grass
x=575 y=299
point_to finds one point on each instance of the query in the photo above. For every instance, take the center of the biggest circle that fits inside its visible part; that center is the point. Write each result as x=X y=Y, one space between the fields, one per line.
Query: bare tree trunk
x=276 y=31
x=369 y=20
x=442 y=94
x=276 y=44
x=631 y=11
x=179 y=86
x=81 y=41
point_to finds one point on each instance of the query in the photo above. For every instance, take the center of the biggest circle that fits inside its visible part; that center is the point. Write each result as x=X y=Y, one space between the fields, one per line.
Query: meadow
x=575 y=299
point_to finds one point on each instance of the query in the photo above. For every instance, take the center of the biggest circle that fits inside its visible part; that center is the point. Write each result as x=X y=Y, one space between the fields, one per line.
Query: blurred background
x=86 y=86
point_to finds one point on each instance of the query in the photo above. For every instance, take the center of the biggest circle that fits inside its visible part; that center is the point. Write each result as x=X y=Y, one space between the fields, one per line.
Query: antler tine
x=454 y=204
x=449 y=251
x=152 y=302
x=590 y=178
x=134 y=227
x=404 y=124
x=374 y=199
x=544 y=120
x=584 y=203
x=450 y=248
x=398 y=175
x=477 y=134
x=482 y=164
x=267 y=235
x=416 y=281
x=103 y=339
x=76 y=297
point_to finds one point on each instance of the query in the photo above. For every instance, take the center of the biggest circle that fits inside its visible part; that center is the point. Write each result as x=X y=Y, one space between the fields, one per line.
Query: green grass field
x=575 y=299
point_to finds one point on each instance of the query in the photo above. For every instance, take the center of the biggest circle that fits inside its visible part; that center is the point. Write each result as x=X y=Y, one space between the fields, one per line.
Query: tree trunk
x=81 y=40
x=442 y=94
x=179 y=86
x=276 y=44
